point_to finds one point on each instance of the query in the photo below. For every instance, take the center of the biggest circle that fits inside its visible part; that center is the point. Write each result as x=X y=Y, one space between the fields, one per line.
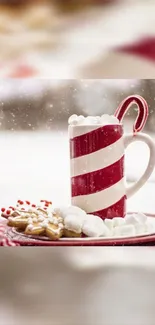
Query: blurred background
x=73 y=38
x=34 y=140
x=67 y=39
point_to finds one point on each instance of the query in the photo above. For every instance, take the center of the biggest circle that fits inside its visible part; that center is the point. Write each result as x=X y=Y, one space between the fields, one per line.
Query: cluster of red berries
x=19 y=202
x=46 y=203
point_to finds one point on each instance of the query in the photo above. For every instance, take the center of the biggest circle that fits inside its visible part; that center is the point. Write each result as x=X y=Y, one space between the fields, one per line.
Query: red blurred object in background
x=23 y=71
x=144 y=48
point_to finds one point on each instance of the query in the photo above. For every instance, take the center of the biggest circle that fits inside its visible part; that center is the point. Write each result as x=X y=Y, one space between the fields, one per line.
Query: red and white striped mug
x=97 y=163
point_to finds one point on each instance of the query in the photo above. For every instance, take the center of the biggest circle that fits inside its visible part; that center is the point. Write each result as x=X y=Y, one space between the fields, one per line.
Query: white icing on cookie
x=30 y=220
x=55 y=221
x=19 y=212
x=11 y=218
x=44 y=224
x=50 y=219
x=60 y=220
x=33 y=210
x=61 y=226
x=55 y=231
x=35 y=219
x=49 y=214
x=41 y=218
x=30 y=227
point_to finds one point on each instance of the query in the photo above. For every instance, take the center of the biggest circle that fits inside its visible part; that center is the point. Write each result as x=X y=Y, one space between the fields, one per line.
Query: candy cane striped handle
x=142 y=111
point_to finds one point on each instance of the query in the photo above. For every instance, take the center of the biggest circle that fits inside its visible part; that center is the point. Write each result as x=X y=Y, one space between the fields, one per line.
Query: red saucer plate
x=25 y=240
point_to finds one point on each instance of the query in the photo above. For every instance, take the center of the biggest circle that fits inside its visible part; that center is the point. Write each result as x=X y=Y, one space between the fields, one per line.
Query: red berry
x=22 y=209
x=27 y=202
x=8 y=211
x=46 y=204
x=3 y=210
x=20 y=202
x=12 y=208
x=33 y=206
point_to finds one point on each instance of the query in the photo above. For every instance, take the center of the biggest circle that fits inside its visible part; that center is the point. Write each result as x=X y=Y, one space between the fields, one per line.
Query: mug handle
x=130 y=138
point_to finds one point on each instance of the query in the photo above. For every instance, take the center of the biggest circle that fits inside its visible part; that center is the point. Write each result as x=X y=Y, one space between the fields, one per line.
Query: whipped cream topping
x=104 y=119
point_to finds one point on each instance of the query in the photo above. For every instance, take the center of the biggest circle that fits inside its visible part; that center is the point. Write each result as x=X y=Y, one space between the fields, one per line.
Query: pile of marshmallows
x=105 y=119
x=75 y=219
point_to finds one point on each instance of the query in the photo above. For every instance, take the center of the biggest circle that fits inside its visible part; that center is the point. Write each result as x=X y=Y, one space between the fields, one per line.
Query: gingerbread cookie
x=49 y=225
x=17 y=222
x=43 y=220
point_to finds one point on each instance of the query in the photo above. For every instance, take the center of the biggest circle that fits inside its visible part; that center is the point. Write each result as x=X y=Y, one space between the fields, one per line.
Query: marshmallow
x=76 y=220
x=140 y=229
x=73 y=223
x=97 y=120
x=150 y=226
x=134 y=219
x=118 y=221
x=105 y=119
x=109 y=119
x=109 y=223
x=141 y=217
x=63 y=212
x=130 y=219
x=91 y=120
x=73 y=119
x=94 y=227
x=80 y=120
x=126 y=230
